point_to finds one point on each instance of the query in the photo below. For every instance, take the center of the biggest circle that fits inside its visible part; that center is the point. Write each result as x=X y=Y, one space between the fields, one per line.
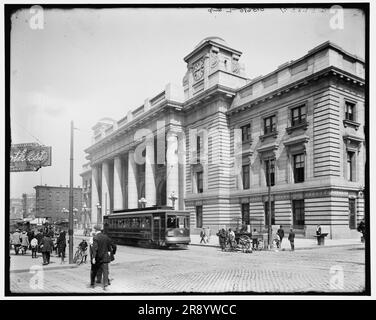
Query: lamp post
x=173 y=198
x=84 y=208
x=269 y=206
x=75 y=210
x=142 y=201
x=70 y=230
x=99 y=218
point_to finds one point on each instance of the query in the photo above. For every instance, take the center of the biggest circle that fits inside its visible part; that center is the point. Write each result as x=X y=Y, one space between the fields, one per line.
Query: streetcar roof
x=143 y=212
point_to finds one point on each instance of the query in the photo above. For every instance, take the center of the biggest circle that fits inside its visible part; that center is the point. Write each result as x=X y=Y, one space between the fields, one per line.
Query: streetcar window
x=182 y=222
x=171 y=222
x=147 y=223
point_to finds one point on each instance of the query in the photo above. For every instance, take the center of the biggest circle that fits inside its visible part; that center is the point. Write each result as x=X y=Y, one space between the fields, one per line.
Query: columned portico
x=105 y=188
x=172 y=170
x=132 y=184
x=150 y=188
x=118 y=193
x=94 y=194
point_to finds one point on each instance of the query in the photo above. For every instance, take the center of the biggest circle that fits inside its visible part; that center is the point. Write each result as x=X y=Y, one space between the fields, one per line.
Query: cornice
x=329 y=71
x=147 y=116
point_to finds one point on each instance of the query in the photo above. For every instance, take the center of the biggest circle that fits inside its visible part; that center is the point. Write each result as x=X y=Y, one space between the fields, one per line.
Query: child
x=34 y=247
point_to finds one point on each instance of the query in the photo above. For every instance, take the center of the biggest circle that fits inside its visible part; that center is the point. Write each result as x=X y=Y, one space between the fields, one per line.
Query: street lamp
x=142 y=201
x=173 y=198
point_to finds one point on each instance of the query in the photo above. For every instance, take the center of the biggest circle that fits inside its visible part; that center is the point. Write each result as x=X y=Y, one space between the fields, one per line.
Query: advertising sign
x=29 y=157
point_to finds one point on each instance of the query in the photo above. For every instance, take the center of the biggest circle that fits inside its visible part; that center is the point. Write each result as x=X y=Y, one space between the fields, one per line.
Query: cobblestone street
x=208 y=270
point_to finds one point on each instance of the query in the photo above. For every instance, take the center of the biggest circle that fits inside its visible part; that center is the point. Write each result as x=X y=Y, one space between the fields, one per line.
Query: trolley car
x=151 y=226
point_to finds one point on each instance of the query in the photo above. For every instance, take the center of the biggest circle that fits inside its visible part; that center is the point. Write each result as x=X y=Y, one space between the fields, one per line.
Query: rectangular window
x=352 y=214
x=298 y=213
x=199 y=216
x=298 y=115
x=299 y=168
x=350 y=165
x=272 y=169
x=266 y=209
x=246 y=133
x=245 y=176
x=200 y=182
x=349 y=111
x=198 y=146
x=269 y=125
x=245 y=214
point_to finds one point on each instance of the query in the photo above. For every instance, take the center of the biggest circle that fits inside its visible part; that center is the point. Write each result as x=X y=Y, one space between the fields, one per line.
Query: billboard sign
x=29 y=157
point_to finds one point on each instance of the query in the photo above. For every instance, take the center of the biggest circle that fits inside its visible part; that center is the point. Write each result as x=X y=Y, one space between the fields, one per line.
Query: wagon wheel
x=245 y=243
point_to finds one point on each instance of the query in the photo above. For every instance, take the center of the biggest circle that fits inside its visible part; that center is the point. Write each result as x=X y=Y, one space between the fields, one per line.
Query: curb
x=67 y=266
x=288 y=249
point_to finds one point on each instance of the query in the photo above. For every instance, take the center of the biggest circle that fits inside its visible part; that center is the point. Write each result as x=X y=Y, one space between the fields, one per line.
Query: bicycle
x=79 y=256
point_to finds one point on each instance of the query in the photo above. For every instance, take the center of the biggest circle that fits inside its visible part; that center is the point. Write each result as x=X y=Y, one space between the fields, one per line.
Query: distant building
x=28 y=205
x=53 y=202
x=222 y=138
x=15 y=206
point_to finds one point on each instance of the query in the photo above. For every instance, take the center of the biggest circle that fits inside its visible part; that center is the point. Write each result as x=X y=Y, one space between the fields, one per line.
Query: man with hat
x=100 y=256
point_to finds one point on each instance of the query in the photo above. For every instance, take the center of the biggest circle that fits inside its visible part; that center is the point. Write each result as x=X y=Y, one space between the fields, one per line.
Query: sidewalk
x=299 y=242
x=24 y=263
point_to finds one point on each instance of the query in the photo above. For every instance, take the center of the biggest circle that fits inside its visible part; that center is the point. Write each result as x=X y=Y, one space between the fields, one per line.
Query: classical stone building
x=214 y=140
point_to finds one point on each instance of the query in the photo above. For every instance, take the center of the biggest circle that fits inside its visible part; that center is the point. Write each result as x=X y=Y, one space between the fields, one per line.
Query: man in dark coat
x=47 y=246
x=101 y=251
x=61 y=245
x=281 y=234
x=39 y=237
x=222 y=238
x=291 y=239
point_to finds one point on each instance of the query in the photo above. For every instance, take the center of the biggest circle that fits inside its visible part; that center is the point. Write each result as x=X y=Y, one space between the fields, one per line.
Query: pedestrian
x=102 y=247
x=16 y=241
x=61 y=244
x=222 y=238
x=276 y=240
x=83 y=246
x=30 y=236
x=39 y=237
x=203 y=236
x=34 y=247
x=318 y=230
x=24 y=242
x=47 y=246
x=291 y=239
x=231 y=238
x=281 y=234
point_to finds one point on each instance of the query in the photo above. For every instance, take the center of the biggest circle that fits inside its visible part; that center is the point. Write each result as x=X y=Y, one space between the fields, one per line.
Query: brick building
x=53 y=202
x=214 y=140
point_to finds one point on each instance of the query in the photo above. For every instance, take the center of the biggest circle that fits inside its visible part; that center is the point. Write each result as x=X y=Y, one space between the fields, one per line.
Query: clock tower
x=211 y=63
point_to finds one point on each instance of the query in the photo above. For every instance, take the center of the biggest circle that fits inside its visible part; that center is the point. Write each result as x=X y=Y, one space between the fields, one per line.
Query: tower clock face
x=198 y=70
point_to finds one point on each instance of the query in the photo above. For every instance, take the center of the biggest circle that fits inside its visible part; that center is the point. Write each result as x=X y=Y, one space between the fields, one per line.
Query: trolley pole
x=70 y=230
x=269 y=207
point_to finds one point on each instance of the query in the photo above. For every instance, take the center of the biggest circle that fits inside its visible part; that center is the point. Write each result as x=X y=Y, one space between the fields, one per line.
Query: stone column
x=172 y=170
x=94 y=194
x=132 y=182
x=150 y=188
x=118 y=193
x=105 y=189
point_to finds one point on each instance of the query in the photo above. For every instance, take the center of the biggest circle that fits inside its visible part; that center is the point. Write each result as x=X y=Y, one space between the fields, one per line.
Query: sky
x=87 y=64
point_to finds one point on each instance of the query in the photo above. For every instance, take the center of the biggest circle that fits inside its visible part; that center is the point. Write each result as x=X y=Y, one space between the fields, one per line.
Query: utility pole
x=70 y=230
x=269 y=206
